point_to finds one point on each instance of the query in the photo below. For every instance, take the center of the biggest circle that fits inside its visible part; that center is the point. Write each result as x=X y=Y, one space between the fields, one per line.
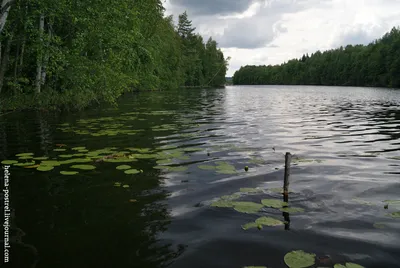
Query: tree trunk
x=5 y=9
x=4 y=62
x=46 y=57
x=40 y=56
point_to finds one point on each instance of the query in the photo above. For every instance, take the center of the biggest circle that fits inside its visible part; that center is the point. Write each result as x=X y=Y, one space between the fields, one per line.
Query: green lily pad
x=25 y=164
x=24 y=154
x=177 y=169
x=68 y=172
x=268 y=221
x=9 y=162
x=362 y=202
x=291 y=209
x=206 y=167
x=66 y=155
x=247 y=207
x=84 y=167
x=53 y=163
x=59 y=150
x=123 y=167
x=392 y=201
x=83 y=151
x=257 y=161
x=131 y=171
x=230 y=197
x=395 y=214
x=81 y=154
x=125 y=186
x=348 y=265
x=120 y=160
x=78 y=148
x=76 y=160
x=249 y=225
x=273 y=203
x=250 y=190
x=25 y=157
x=41 y=158
x=299 y=259
x=45 y=168
x=193 y=149
x=379 y=225
x=164 y=161
x=117 y=184
x=222 y=204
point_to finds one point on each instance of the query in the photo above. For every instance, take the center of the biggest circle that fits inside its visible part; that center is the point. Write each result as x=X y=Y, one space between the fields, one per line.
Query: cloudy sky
x=258 y=32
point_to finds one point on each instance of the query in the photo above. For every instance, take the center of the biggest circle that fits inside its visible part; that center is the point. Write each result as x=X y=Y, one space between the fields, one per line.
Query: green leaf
x=131 y=171
x=392 y=201
x=25 y=164
x=299 y=259
x=249 y=225
x=68 y=173
x=45 y=168
x=273 y=203
x=206 y=167
x=9 y=162
x=78 y=148
x=117 y=184
x=291 y=209
x=26 y=157
x=84 y=167
x=247 y=207
x=125 y=186
x=395 y=214
x=123 y=167
x=230 y=197
x=24 y=154
x=41 y=158
x=59 y=150
x=222 y=204
x=268 y=221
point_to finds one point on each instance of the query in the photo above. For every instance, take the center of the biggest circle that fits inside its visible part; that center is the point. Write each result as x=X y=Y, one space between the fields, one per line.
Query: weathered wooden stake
x=288 y=159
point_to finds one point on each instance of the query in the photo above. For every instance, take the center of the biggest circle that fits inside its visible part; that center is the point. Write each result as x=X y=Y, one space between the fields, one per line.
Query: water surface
x=346 y=147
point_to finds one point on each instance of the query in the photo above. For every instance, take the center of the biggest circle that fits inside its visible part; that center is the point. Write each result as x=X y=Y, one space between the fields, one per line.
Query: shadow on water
x=346 y=143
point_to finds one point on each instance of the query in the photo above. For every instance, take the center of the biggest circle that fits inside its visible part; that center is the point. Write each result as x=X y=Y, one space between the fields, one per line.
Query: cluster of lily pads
x=301 y=259
x=229 y=201
x=388 y=204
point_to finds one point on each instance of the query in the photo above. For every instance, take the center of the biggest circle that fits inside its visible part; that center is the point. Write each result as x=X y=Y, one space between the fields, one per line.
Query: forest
x=373 y=65
x=73 y=53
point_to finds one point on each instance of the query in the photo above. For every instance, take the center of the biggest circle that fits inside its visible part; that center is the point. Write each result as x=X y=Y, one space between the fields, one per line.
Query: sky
x=258 y=32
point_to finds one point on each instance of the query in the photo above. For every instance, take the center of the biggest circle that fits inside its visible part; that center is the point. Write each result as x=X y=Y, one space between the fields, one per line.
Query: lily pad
x=273 y=203
x=117 y=184
x=9 y=162
x=222 y=204
x=68 y=172
x=249 y=225
x=78 y=148
x=230 y=197
x=379 y=225
x=125 y=186
x=41 y=158
x=24 y=154
x=123 y=167
x=348 y=265
x=164 y=161
x=25 y=164
x=268 y=221
x=66 y=155
x=250 y=190
x=26 y=157
x=299 y=259
x=45 y=168
x=84 y=167
x=392 y=201
x=120 y=160
x=247 y=207
x=395 y=214
x=206 y=167
x=177 y=169
x=291 y=210
x=59 y=150
x=131 y=171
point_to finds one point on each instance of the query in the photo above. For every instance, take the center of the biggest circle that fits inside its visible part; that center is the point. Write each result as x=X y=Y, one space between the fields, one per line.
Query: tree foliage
x=82 y=51
x=377 y=64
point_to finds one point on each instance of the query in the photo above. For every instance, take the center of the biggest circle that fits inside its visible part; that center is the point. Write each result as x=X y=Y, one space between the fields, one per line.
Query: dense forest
x=377 y=64
x=72 y=53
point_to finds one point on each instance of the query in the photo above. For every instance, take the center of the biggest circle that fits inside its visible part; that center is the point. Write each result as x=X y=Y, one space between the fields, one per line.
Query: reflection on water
x=346 y=142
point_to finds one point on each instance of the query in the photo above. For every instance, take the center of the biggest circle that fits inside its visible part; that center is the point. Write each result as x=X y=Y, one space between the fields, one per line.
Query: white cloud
x=274 y=31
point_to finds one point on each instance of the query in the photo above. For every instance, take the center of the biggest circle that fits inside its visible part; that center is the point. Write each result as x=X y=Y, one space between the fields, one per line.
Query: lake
x=159 y=179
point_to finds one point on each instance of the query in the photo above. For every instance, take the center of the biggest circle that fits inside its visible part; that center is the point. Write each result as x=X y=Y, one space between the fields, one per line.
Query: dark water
x=348 y=139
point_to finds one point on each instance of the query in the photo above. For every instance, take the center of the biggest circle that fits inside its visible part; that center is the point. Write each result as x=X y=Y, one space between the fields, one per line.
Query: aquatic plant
x=299 y=259
x=348 y=265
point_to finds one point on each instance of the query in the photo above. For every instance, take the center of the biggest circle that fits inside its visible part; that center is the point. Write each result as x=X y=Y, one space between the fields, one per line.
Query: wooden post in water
x=288 y=159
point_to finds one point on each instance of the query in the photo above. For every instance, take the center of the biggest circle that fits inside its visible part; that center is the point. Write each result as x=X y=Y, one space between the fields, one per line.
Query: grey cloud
x=212 y=7
x=361 y=35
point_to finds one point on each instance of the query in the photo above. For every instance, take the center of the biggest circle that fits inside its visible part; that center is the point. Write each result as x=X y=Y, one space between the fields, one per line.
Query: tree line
x=376 y=65
x=75 y=52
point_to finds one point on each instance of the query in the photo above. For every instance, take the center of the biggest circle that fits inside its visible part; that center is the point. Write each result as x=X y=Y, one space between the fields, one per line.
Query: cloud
x=267 y=32
x=212 y=7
